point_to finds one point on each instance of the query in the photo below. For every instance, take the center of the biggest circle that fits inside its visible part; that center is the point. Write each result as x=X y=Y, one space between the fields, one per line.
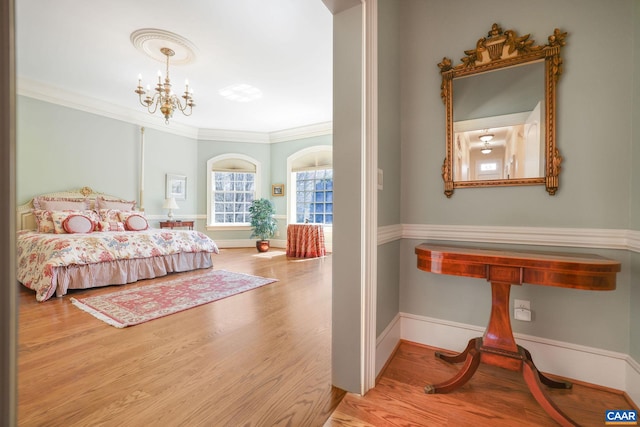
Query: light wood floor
x=261 y=358
x=493 y=397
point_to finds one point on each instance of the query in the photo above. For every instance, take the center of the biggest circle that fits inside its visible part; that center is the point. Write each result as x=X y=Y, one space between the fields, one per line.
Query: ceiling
x=79 y=53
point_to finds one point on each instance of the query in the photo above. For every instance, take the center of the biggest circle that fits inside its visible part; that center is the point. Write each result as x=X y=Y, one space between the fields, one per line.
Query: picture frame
x=277 y=190
x=176 y=186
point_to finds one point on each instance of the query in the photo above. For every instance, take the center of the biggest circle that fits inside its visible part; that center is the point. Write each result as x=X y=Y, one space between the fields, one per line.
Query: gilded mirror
x=500 y=105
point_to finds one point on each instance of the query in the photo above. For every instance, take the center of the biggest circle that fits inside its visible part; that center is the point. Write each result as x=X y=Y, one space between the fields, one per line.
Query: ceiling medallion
x=150 y=40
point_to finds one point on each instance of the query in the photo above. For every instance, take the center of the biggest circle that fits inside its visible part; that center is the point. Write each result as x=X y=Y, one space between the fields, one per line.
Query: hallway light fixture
x=486 y=137
x=163 y=97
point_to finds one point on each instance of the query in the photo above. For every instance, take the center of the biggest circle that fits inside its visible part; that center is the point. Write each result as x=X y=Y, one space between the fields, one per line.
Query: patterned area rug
x=134 y=306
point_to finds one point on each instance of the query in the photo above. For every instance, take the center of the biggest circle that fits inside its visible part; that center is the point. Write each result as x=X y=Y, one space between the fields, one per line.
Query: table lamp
x=170 y=204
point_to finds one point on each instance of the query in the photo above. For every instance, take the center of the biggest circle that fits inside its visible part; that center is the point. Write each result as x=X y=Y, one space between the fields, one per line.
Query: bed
x=82 y=239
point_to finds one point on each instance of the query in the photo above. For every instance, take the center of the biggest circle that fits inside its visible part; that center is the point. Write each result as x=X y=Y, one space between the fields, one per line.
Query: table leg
x=544 y=379
x=532 y=378
x=460 y=357
x=471 y=362
x=498 y=347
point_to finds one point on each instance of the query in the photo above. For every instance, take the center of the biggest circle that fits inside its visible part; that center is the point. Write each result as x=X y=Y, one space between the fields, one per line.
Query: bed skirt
x=127 y=270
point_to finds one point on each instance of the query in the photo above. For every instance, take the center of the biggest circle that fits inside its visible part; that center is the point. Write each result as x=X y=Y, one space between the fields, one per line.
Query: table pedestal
x=498 y=347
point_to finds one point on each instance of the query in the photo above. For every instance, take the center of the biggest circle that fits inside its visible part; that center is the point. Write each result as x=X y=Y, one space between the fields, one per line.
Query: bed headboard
x=27 y=221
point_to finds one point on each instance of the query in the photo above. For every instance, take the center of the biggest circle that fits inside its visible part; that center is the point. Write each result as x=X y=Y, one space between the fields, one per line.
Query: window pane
x=232 y=194
x=312 y=198
x=329 y=195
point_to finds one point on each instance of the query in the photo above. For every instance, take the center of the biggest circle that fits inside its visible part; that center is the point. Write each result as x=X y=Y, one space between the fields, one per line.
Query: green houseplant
x=263 y=223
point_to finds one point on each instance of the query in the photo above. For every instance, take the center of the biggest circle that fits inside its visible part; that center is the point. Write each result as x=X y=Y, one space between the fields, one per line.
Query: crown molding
x=233 y=136
x=318 y=129
x=54 y=95
x=65 y=98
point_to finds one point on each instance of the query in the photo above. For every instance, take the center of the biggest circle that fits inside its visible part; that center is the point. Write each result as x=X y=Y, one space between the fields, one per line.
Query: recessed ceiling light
x=241 y=92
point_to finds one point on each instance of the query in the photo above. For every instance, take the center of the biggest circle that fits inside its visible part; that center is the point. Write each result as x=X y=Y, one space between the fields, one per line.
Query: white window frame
x=291 y=181
x=258 y=186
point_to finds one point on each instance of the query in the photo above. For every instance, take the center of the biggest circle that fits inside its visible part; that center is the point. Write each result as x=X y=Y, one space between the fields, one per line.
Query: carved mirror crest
x=500 y=107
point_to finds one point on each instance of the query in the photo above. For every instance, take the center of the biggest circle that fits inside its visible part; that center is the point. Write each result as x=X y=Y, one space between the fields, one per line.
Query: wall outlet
x=522 y=310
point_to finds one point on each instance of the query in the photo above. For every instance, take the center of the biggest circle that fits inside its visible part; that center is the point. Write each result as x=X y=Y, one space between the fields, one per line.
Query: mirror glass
x=497 y=121
x=500 y=107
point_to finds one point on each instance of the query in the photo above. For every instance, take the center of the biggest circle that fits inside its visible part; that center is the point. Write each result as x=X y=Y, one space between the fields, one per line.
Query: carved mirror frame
x=496 y=51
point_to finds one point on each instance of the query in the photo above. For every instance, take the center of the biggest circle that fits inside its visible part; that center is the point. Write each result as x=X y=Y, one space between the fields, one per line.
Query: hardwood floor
x=261 y=358
x=493 y=397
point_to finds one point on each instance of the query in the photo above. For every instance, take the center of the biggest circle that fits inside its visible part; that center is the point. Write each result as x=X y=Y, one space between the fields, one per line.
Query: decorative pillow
x=109 y=215
x=60 y=203
x=43 y=221
x=134 y=221
x=77 y=223
x=58 y=218
x=110 y=226
x=93 y=216
x=121 y=205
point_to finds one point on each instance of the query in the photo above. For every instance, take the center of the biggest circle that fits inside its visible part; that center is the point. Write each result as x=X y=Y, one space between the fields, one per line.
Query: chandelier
x=486 y=137
x=163 y=98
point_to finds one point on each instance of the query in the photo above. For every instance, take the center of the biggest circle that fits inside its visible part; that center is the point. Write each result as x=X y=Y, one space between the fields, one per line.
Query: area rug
x=141 y=304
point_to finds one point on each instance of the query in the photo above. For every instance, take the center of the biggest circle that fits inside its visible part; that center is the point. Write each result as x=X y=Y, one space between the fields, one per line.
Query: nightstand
x=175 y=224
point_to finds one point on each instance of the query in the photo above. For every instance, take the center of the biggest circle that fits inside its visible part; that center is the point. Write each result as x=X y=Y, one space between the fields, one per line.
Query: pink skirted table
x=305 y=241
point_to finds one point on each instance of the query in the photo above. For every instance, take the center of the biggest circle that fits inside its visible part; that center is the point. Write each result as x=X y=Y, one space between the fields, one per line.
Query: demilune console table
x=505 y=268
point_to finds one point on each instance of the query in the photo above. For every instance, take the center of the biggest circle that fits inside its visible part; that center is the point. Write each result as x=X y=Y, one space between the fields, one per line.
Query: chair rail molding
x=544 y=236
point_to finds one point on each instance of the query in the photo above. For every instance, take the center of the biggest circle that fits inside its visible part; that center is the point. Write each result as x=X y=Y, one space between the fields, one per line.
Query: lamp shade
x=170 y=203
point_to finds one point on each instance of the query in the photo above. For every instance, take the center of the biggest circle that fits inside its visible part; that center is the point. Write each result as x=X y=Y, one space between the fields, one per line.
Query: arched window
x=233 y=183
x=311 y=180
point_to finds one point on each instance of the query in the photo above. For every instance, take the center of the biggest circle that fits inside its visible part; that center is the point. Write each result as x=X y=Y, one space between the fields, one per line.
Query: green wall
x=71 y=148
x=594 y=136
x=593 y=114
x=61 y=148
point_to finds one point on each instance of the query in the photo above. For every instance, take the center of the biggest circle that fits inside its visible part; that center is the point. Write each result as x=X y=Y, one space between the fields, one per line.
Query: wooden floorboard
x=493 y=397
x=261 y=358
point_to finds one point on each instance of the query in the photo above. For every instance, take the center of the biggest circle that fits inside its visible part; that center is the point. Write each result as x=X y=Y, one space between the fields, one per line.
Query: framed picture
x=277 y=190
x=176 y=187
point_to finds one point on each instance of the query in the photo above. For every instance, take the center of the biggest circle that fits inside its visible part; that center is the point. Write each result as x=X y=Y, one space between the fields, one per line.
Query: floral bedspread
x=38 y=253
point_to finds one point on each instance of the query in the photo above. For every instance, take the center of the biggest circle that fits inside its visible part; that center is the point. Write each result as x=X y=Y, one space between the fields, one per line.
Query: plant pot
x=262 y=245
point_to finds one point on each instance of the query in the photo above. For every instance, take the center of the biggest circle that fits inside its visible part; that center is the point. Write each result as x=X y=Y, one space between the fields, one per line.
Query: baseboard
x=633 y=380
x=614 y=370
x=387 y=342
x=248 y=243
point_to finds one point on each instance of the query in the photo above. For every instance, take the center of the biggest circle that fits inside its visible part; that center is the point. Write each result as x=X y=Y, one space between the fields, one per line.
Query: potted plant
x=263 y=223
